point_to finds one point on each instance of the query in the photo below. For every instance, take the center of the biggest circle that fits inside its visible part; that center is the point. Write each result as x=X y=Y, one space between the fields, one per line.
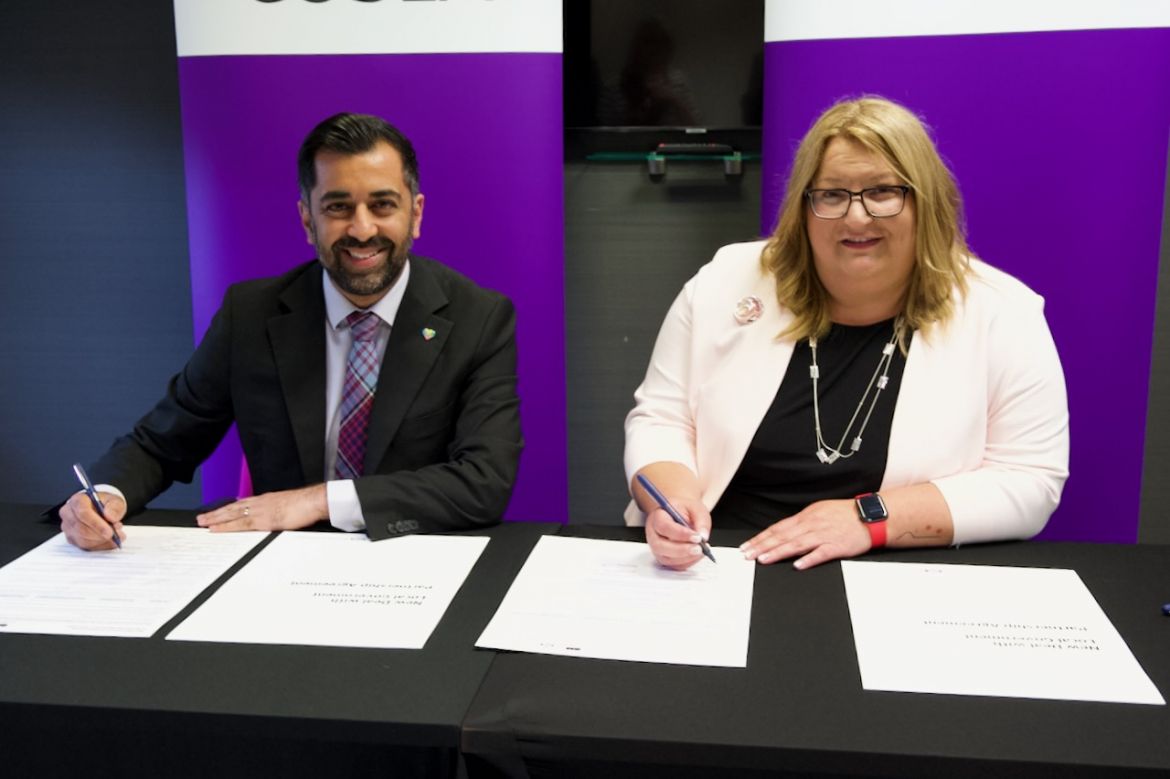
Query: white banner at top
x=794 y=20
x=217 y=27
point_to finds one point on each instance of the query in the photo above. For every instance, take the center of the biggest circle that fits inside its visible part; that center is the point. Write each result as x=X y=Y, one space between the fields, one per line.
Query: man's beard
x=371 y=282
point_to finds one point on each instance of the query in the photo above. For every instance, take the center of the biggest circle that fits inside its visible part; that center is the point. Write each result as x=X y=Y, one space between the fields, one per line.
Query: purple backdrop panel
x=1058 y=140
x=488 y=131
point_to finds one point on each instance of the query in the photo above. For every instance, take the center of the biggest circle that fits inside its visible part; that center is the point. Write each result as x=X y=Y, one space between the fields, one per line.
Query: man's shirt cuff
x=345 y=510
x=109 y=489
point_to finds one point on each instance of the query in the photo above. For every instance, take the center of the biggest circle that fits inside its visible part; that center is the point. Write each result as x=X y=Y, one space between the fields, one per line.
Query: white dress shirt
x=345 y=510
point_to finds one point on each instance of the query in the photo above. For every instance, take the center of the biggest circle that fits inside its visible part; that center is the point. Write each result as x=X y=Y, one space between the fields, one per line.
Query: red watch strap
x=877 y=533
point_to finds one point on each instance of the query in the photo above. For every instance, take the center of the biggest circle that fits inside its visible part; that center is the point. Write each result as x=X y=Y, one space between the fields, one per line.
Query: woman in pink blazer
x=856 y=380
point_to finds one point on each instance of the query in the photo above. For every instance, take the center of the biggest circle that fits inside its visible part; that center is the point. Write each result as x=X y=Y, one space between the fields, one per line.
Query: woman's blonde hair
x=941 y=256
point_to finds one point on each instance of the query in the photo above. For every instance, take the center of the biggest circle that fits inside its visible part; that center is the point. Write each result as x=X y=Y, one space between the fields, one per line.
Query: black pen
x=661 y=500
x=87 y=485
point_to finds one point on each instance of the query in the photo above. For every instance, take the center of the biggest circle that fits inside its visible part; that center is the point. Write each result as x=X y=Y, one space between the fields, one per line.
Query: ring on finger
x=246 y=510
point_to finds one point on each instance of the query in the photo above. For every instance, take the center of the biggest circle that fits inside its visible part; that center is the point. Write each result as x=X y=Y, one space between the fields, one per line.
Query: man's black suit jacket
x=444 y=439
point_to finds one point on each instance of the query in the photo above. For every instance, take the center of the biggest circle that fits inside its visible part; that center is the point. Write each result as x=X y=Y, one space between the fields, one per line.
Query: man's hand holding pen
x=84 y=526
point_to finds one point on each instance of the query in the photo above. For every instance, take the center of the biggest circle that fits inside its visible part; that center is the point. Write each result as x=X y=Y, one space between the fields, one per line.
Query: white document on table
x=129 y=592
x=330 y=589
x=610 y=600
x=988 y=630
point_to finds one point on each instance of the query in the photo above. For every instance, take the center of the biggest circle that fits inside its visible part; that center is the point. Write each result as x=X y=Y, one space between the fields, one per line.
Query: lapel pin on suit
x=748 y=309
x=427 y=333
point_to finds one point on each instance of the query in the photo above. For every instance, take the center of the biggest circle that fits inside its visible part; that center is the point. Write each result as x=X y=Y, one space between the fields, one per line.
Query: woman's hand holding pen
x=85 y=528
x=673 y=545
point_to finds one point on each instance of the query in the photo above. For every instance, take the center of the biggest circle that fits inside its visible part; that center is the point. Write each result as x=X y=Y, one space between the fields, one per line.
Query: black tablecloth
x=86 y=706
x=150 y=707
x=799 y=708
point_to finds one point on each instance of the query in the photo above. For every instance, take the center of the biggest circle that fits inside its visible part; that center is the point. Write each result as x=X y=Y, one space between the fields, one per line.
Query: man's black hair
x=353 y=134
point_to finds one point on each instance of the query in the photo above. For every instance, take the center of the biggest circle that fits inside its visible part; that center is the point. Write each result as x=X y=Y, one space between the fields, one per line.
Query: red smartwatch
x=873 y=513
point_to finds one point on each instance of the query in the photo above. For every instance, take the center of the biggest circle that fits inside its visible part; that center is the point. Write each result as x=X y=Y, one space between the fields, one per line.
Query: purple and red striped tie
x=357 y=394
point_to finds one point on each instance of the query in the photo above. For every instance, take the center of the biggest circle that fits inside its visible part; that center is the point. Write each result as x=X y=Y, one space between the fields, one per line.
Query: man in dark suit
x=293 y=360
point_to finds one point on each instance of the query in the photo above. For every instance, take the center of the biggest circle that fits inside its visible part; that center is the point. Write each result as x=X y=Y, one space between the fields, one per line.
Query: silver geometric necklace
x=828 y=454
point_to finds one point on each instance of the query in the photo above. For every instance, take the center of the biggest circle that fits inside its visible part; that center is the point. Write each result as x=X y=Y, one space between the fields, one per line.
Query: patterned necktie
x=357 y=394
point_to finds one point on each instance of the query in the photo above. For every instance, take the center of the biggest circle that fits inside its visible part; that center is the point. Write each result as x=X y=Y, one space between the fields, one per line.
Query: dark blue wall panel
x=95 y=310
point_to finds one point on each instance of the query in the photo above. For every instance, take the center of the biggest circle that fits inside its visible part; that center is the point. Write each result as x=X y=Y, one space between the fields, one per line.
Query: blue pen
x=87 y=485
x=661 y=500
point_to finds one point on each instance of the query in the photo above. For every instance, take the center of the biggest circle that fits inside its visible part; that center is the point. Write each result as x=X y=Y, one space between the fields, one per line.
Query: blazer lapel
x=746 y=363
x=416 y=340
x=298 y=348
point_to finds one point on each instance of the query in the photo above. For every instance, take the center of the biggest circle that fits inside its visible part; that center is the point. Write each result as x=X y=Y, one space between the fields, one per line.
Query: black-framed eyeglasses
x=879 y=202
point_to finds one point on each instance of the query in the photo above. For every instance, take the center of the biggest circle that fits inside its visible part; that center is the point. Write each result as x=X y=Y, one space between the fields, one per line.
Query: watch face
x=872 y=507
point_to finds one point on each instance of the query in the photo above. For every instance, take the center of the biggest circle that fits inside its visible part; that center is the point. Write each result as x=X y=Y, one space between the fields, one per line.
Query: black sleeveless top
x=780 y=473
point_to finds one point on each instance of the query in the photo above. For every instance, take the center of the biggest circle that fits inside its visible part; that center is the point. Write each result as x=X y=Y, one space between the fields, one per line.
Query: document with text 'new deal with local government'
x=611 y=600
x=332 y=589
x=988 y=630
